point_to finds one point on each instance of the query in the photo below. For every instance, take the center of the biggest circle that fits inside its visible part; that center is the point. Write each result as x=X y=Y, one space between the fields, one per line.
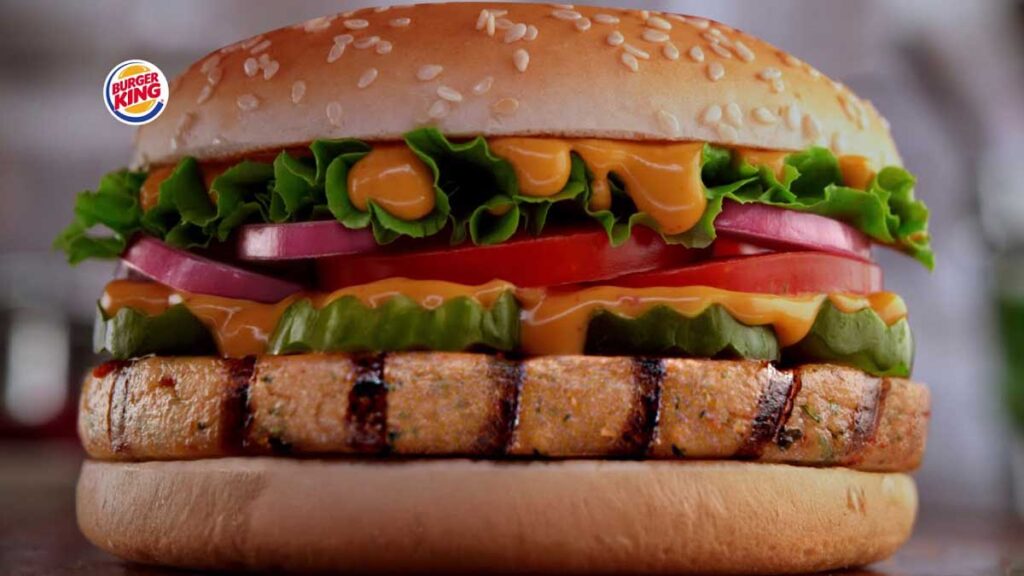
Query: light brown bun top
x=472 y=69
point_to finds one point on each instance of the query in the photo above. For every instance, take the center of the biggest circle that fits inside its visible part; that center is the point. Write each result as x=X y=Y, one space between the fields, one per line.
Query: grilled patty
x=460 y=404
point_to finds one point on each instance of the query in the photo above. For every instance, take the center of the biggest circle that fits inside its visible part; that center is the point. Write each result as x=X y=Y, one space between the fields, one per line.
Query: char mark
x=773 y=409
x=117 y=413
x=367 y=414
x=866 y=419
x=236 y=415
x=507 y=378
x=642 y=424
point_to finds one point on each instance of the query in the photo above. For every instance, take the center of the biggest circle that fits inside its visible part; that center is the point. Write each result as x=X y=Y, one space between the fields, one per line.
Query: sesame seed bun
x=473 y=516
x=507 y=69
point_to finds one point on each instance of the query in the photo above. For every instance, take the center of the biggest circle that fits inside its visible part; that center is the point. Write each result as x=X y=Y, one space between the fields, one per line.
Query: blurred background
x=949 y=76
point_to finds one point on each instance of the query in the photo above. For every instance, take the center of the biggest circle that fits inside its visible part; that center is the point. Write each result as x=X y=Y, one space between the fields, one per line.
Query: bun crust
x=588 y=72
x=470 y=516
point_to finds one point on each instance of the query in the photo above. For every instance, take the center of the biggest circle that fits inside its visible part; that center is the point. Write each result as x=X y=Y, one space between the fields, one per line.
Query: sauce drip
x=774 y=160
x=542 y=165
x=394 y=178
x=856 y=171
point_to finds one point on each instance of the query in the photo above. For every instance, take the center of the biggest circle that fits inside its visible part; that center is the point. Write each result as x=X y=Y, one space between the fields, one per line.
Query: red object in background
x=556 y=258
x=781 y=273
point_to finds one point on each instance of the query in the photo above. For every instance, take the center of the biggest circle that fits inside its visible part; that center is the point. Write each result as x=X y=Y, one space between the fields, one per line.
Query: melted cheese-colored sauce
x=775 y=160
x=553 y=322
x=394 y=178
x=856 y=171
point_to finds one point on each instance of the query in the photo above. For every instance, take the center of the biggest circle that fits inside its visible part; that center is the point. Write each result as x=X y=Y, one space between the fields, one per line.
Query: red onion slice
x=302 y=240
x=780 y=228
x=188 y=272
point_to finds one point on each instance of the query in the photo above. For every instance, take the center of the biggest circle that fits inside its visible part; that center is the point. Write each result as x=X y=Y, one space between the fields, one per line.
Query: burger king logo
x=135 y=92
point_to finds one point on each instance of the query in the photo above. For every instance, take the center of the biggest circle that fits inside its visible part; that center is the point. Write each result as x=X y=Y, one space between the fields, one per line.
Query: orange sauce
x=774 y=160
x=856 y=171
x=542 y=165
x=394 y=178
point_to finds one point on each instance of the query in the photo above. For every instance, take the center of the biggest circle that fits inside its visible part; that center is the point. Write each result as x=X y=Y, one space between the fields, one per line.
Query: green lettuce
x=476 y=196
x=131 y=333
x=348 y=325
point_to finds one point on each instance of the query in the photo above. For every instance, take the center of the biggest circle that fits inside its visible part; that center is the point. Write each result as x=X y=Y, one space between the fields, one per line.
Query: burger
x=503 y=288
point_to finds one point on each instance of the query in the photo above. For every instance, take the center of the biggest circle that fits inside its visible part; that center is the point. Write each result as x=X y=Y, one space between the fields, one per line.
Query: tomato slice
x=566 y=257
x=781 y=273
x=726 y=247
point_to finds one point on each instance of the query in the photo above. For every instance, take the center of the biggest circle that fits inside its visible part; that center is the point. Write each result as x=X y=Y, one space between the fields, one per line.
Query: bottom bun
x=476 y=516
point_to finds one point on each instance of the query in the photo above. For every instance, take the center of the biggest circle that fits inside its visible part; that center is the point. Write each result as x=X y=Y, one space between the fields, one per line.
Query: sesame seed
x=505 y=106
x=247 y=102
x=765 y=116
x=428 y=72
x=270 y=69
x=334 y=113
x=316 y=24
x=698 y=23
x=712 y=115
x=636 y=51
x=498 y=13
x=630 y=61
x=615 y=38
x=402 y=22
x=439 y=109
x=213 y=76
x=696 y=54
x=668 y=122
x=727 y=133
x=814 y=73
x=790 y=60
x=564 y=6
x=716 y=71
x=483 y=86
x=515 y=33
x=250 y=66
x=336 y=51
x=210 y=64
x=606 y=19
x=793 y=116
x=204 y=94
x=718 y=49
x=383 y=47
x=356 y=24
x=743 y=51
x=670 y=51
x=676 y=17
x=531 y=33
x=769 y=74
x=566 y=14
x=349 y=14
x=838 y=142
x=367 y=78
x=246 y=44
x=481 y=20
x=490 y=24
x=260 y=47
x=503 y=23
x=659 y=23
x=366 y=42
x=715 y=32
x=448 y=93
x=645 y=14
x=583 y=24
x=733 y=114
x=298 y=91
x=811 y=127
x=778 y=86
x=521 y=59
x=380 y=9
x=344 y=39
x=652 y=35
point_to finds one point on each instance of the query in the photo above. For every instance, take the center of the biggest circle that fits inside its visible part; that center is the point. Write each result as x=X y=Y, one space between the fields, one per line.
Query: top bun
x=507 y=69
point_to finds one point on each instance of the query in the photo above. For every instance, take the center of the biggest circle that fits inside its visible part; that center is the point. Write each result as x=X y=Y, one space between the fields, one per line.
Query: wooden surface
x=38 y=533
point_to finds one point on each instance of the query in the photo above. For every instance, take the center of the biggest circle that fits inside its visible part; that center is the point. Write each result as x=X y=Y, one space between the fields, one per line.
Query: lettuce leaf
x=348 y=325
x=477 y=196
x=131 y=333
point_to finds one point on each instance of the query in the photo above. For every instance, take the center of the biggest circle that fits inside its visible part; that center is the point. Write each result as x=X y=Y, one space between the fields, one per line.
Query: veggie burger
x=503 y=287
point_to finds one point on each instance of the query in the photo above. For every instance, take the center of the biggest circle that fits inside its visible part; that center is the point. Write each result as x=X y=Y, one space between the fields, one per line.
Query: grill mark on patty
x=866 y=419
x=507 y=378
x=367 y=414
x=235 y=415
x=118 y=405
x=784 y=437
x=773 y=409
x=642 y=423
